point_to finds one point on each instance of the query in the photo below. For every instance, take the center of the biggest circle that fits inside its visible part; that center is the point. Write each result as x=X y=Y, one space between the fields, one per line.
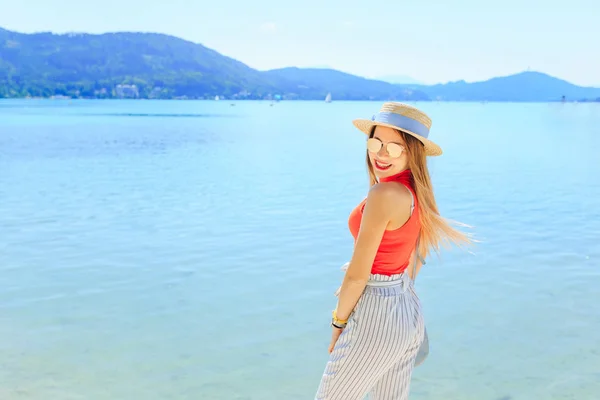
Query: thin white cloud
x=268 y=27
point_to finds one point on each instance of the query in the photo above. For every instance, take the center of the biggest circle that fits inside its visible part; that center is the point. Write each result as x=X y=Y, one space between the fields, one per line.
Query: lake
x=191 y=249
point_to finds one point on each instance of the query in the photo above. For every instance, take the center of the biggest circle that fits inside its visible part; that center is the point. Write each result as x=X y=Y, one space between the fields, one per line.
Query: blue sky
x=432 y=41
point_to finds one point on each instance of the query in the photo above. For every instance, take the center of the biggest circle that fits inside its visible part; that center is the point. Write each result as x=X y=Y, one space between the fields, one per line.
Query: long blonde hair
x=435 y=230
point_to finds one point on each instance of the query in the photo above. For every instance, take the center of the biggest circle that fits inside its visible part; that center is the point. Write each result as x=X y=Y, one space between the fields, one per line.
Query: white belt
x=403 y=281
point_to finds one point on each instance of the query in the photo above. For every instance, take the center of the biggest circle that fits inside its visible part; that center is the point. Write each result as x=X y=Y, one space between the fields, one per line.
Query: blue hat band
x=402 y=122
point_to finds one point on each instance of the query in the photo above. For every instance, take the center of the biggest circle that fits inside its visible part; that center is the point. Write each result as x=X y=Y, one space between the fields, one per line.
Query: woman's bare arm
x=383 y=203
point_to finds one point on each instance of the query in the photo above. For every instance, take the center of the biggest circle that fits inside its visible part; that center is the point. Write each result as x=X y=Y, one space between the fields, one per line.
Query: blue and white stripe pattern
x=375 y=354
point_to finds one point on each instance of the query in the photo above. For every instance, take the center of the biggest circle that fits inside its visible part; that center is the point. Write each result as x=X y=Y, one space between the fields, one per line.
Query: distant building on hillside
x=244 y=94
x=127 y=92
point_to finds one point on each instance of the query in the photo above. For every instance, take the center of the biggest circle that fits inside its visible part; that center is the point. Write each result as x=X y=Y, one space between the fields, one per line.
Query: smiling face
x=386 y=151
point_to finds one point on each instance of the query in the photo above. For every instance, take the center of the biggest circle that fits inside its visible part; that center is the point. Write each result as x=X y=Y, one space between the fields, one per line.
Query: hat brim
x=365 y=125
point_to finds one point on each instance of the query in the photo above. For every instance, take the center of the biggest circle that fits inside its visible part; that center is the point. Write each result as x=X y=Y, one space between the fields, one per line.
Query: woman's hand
x=335 y=334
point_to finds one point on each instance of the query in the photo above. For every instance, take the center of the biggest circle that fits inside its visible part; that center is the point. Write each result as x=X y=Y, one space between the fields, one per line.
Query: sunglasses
x=393 y=149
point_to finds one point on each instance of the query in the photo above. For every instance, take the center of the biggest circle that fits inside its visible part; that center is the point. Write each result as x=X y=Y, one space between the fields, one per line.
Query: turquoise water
x=190 y=250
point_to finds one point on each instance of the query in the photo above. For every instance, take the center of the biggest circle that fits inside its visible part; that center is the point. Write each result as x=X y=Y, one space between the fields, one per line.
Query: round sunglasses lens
x=394 y=150
x=374 y=145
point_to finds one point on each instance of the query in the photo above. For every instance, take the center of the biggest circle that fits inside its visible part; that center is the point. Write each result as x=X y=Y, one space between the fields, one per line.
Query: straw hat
x=405 y=118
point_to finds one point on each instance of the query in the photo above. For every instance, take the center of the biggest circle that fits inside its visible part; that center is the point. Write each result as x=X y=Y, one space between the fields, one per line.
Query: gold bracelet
x=336 y=320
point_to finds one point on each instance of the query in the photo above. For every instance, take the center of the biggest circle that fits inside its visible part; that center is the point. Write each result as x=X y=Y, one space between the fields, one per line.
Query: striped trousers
x=375 y=353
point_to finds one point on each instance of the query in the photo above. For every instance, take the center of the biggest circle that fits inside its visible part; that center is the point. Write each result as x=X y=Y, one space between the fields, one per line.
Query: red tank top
x=393 y=254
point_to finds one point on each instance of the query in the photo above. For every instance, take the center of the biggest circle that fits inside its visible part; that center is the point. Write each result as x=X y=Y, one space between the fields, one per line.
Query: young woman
x=377 y=324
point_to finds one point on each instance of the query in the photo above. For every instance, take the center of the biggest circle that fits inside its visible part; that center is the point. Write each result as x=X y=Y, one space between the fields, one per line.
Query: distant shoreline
x=156 y=66
x=229 y=101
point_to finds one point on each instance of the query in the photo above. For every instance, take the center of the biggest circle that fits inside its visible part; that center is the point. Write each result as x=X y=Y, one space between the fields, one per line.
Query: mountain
x=524 y=86
x=343 y=85
x=44 y=63
x=151 y=65
x=400 y=79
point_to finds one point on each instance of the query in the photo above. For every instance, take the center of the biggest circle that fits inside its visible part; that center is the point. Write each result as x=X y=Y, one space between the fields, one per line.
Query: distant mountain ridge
x=152 y=65
x=399 y=79
x=342 y=85
x=526 y=86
